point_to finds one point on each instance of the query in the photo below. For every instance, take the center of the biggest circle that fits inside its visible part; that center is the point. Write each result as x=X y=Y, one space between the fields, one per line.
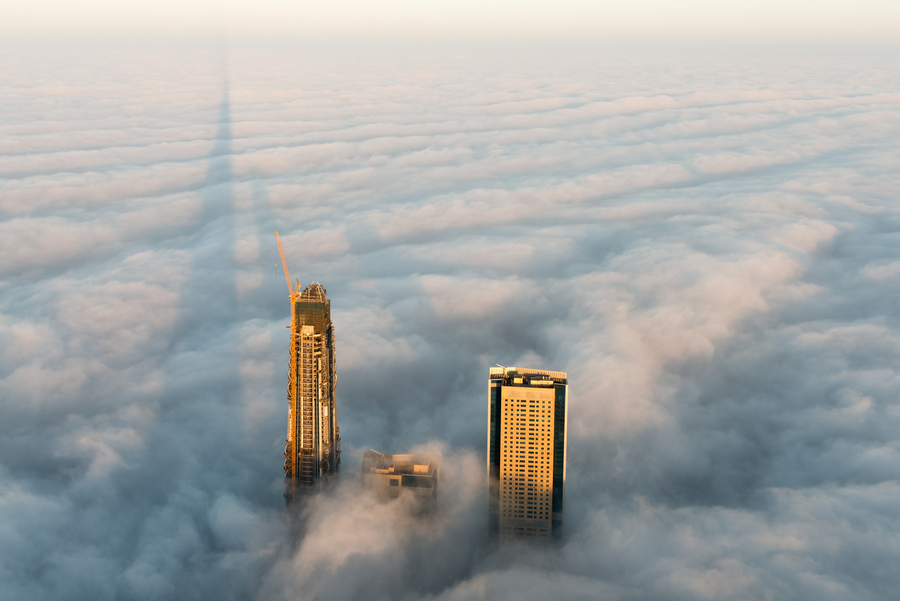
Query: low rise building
x=390 y=475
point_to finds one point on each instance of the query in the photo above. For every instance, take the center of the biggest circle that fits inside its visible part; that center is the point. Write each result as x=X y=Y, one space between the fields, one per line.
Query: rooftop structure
x=389 y=475
x=527 y=422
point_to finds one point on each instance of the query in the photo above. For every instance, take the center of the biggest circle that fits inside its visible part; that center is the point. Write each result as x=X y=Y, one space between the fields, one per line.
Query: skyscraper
x=527 y=419
x=312 y=451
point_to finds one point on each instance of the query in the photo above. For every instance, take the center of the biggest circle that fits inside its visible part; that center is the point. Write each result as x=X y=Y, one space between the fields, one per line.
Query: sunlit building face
x=527 y=411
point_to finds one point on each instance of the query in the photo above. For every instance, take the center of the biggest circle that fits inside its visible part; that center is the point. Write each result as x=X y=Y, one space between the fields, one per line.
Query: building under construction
x=312 y=451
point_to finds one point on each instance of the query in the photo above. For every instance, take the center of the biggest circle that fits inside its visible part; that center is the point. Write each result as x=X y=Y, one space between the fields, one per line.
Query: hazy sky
x=644 y=21
x=708 y=243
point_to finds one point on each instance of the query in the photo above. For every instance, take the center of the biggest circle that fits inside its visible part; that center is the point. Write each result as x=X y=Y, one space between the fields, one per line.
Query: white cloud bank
x=707 y=246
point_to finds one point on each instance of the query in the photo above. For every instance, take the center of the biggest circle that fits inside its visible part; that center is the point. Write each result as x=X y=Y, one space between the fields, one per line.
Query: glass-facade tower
x=527 y=419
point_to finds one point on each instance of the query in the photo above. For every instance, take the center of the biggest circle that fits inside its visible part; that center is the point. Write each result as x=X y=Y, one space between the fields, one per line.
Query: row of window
x=521 y=512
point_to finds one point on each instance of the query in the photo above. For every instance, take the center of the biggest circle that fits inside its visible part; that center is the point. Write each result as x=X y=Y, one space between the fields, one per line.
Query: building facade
x=527 y=425
x=389 y=475
x=312 y=450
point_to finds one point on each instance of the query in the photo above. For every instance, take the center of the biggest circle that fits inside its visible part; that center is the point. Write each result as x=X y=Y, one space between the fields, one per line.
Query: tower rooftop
x=524 y=375
x=315 y=293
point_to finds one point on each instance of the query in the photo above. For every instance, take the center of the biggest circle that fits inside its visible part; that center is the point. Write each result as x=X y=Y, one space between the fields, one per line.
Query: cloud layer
x=707 y=246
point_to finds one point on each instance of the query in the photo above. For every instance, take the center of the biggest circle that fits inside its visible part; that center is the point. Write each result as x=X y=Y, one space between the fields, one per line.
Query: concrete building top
x=408 y=463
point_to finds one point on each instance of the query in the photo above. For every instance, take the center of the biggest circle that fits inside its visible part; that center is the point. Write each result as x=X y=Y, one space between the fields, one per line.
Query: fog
x=707 y=245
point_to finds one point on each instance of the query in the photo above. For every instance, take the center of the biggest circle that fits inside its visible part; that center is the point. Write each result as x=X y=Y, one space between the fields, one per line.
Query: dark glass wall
x=559 y=447
x=494 y=456
x=494 y=428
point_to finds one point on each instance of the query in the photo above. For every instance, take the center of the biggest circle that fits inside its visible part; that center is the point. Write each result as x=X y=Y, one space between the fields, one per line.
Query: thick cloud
x=707 y=246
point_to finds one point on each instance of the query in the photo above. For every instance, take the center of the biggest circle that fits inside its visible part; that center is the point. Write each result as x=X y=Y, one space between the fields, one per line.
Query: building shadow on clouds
x=190 y=492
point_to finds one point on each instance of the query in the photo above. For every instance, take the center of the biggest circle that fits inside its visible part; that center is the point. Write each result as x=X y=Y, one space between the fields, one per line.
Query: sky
x=645 y=22
x=707 y=242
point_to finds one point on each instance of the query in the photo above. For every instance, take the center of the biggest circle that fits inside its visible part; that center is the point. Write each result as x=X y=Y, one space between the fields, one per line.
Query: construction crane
x=290 y=445
x=287 y=275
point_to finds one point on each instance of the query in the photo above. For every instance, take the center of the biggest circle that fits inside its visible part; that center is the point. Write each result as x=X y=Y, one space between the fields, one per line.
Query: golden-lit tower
x=312 y=450
x=527 y=422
